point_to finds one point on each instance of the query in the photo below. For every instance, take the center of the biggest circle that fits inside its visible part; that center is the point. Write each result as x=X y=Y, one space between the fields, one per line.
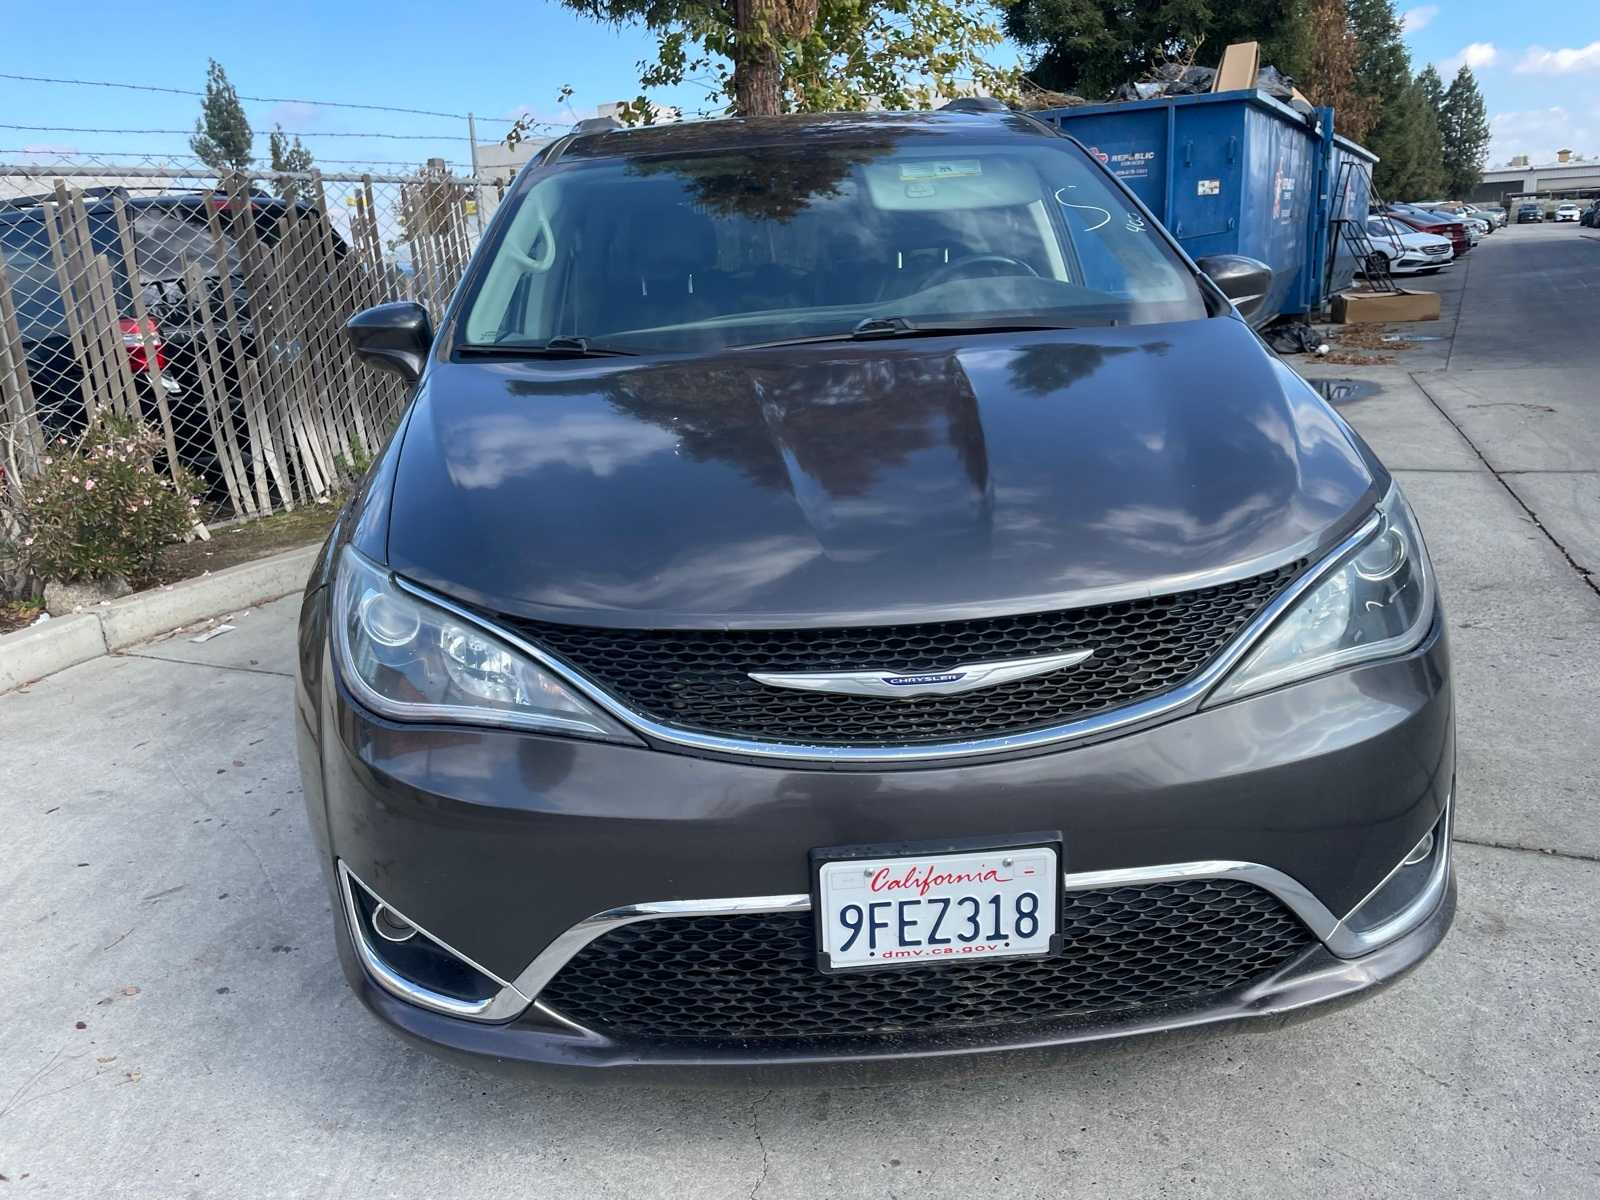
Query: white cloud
x=1414 y=20
x=1539 y=61
x=1477 y=55
x=1540 y=132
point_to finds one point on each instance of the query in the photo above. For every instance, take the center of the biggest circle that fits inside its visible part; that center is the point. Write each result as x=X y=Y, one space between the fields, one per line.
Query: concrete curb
x=40 y=650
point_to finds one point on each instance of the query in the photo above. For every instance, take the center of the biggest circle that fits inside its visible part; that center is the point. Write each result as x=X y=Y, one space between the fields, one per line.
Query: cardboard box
x=1241 y=63
x=1364 y=308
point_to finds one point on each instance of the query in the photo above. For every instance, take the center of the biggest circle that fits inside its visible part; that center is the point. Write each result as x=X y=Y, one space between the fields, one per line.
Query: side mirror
x=1245 y=281
x=392 y=337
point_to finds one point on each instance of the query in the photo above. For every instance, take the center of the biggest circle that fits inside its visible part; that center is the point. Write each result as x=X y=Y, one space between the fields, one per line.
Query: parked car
x=1438 y=224
x=1492 y=218
x=850 y=588
x=1591 y=215
x=169 y=233
x=1567 y=212
x=1530 y=214
x=1403 y=251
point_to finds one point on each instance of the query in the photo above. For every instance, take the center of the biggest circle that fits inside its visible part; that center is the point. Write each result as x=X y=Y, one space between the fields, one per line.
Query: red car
x=1424 y=221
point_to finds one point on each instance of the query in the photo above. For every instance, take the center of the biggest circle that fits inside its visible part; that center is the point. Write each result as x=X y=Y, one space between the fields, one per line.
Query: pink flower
x=88 y=485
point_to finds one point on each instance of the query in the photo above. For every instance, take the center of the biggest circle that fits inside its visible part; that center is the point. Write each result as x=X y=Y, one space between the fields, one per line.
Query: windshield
x=740 y=247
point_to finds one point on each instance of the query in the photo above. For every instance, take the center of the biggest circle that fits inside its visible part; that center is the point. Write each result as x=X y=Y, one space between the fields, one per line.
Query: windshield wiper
x=556 y=347
x=874 y=328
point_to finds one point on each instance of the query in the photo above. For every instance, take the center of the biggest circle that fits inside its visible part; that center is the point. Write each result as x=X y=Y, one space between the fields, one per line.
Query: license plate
x=956 y=907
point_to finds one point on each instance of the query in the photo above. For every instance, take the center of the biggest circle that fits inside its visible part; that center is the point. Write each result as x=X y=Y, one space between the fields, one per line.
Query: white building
x=1567 y=178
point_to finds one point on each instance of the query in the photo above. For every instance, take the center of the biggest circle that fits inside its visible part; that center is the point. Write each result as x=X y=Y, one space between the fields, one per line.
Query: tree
x=222 y=137
x=1464 y=126
x=769 y=56
x=1092 y=46
x=288 y=157
x=1432 y=88
x=1331 y=71
x=1411 y=161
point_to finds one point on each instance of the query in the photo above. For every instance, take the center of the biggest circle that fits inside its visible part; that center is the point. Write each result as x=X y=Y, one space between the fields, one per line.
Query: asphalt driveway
x=177 y=1025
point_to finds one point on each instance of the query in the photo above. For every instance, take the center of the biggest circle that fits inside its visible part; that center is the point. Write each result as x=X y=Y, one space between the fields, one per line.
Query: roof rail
x=976 y=104
x=88 y=193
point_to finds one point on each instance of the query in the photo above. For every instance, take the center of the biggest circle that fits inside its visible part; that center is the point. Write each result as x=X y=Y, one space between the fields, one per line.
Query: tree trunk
x=757 y=69
x=757 y=75
x=756 y=85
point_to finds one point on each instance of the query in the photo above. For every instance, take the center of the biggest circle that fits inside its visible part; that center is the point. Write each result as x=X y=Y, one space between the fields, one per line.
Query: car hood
x=869 y=482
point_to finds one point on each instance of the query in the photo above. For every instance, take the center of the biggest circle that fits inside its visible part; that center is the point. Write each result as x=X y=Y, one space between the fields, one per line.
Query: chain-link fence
x=211 y=308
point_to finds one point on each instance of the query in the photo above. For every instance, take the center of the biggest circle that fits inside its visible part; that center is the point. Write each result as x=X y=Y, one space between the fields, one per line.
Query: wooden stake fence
x=272 y=409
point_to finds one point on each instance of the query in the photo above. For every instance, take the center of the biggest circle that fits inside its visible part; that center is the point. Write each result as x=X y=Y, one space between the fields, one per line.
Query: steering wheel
x=959 y=268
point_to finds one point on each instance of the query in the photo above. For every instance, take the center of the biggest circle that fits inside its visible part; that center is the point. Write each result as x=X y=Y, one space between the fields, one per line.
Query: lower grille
x=755 y=975
x=700 y=679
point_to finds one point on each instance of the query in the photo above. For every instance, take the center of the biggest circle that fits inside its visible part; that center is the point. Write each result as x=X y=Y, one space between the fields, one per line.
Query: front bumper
x=503 y=844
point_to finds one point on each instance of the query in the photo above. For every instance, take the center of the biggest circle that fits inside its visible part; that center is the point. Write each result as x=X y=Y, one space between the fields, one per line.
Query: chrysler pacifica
x=850 y=588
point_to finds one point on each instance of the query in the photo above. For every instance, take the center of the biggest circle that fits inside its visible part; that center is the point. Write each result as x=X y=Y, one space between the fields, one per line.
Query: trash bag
x=1275 y=83
x=1173 y=79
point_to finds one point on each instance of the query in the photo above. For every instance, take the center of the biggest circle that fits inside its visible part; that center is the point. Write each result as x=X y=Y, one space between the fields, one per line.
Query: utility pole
x=477 y=187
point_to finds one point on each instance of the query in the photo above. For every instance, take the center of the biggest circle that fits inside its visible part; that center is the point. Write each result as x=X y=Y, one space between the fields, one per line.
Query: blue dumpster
x=1236 y=173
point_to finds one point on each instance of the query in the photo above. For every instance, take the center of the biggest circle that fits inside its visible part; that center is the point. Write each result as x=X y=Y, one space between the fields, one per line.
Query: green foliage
x=1464 y=126
x=352 y=468
x=1411 y=163
x=1092 y=46
x=222 y=137
x=100 y=508
x=1432 y=88
x=288 y=156
x=757 y=56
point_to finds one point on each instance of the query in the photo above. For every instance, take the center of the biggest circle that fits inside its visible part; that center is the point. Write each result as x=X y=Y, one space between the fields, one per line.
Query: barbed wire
x=260 y=133
x=175 y=91
x=49 y=155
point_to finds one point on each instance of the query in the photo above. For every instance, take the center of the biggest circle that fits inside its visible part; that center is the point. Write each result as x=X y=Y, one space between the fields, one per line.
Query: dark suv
x=851 y=588
x=169 y=234
x=1530 y=214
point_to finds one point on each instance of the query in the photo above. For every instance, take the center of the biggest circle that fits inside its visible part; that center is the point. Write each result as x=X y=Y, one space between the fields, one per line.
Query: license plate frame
x=905 y=854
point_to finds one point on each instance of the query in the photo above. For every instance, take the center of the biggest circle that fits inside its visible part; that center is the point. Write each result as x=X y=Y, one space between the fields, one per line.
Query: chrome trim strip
x=1101 y=723
x=1349 y=942
x=566 y=945
x=889 y=684
x=502 y=1006
x=1291 y=891
x=1329 y=929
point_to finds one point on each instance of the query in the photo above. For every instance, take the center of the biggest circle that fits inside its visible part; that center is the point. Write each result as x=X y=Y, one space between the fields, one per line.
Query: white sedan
x=1404 y=250
x=1567 y=212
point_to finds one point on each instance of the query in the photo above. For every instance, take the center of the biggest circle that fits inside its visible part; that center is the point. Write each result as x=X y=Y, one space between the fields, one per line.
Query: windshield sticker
x=940 y=169
x=1103 y=214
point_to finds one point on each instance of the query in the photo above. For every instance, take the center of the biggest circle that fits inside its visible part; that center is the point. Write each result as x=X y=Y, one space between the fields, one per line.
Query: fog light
x=1424 y=848
x=408 y=961
x=392 y=927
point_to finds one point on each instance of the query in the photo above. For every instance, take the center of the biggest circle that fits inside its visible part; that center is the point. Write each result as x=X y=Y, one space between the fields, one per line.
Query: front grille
x=698 y=679
x=755 y=975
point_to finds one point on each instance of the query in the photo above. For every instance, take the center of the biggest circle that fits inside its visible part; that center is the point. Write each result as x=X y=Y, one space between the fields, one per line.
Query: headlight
x=411 y=661
x=1376 y=602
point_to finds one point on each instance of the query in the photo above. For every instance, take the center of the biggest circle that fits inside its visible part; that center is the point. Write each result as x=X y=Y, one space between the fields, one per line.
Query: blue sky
x=1538 y=66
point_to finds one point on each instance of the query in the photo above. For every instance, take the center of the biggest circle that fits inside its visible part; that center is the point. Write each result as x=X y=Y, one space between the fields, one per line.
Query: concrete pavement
x=178 y=1026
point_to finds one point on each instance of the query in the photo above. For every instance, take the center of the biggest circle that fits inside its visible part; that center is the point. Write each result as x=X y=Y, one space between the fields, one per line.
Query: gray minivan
x=851 y=588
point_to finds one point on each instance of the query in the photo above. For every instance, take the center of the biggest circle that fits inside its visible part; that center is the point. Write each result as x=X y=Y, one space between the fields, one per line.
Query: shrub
x=101 y=508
